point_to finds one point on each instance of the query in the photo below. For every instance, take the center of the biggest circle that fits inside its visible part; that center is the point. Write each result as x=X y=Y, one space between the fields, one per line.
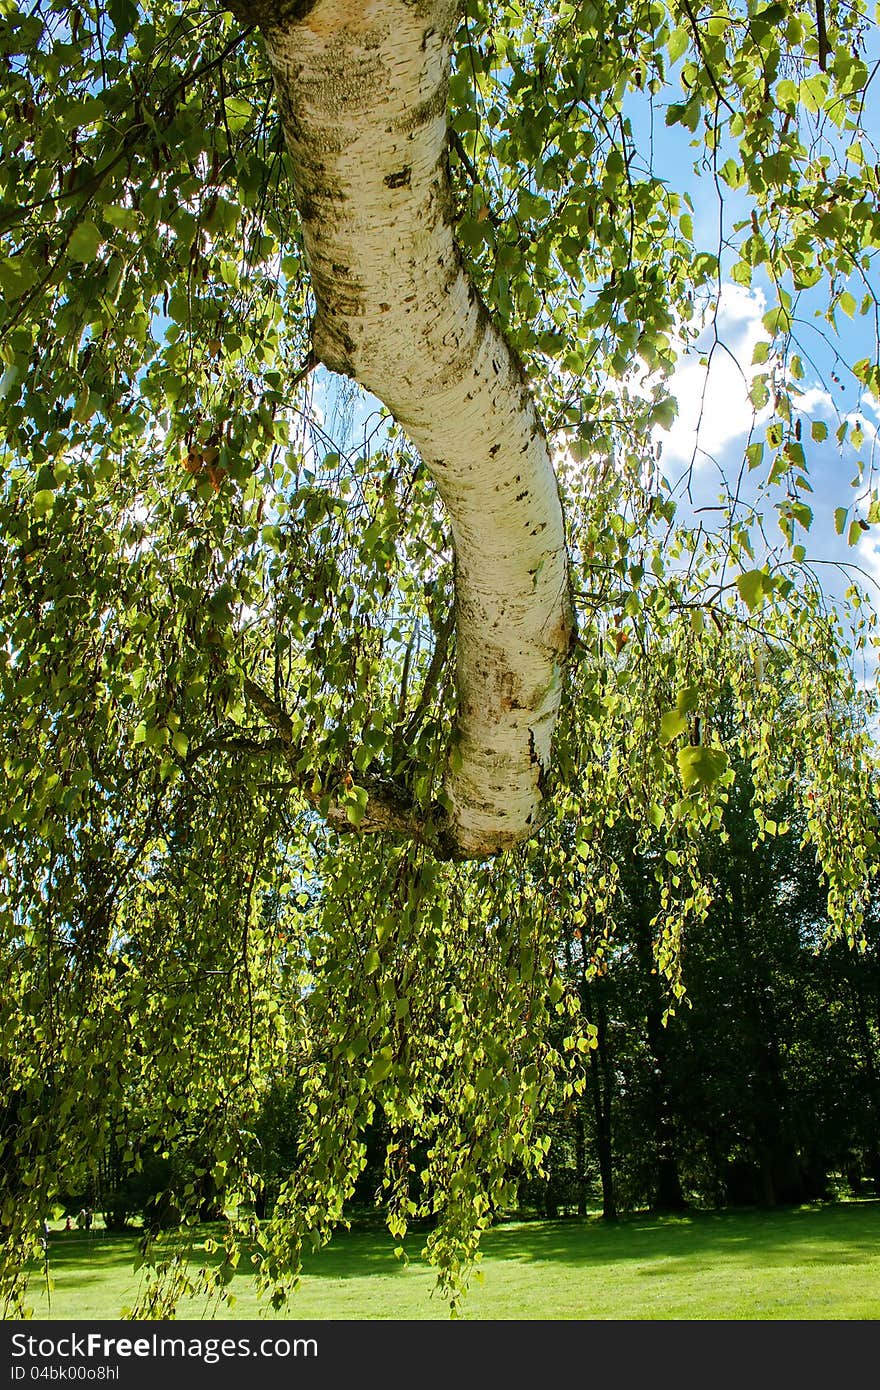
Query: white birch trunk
x=362 y=89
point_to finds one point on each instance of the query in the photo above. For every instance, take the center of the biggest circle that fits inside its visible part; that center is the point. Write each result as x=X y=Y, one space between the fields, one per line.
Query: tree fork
x=362 y=91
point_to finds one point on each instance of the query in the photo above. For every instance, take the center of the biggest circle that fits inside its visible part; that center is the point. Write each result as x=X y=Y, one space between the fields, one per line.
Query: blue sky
x=715 y=416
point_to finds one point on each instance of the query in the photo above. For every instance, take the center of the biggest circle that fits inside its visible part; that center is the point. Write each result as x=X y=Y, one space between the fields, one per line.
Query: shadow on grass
x=85 y=1260
x=82 y=1261
x=840 y=1233
x=844 y=1233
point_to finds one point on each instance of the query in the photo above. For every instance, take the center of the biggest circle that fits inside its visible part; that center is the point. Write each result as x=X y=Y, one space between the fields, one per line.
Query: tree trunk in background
x=779 y=1170
x=668 y=1194
x=872 y=1078
x=580 y=1160
x=600 y=1080
x=362 y=92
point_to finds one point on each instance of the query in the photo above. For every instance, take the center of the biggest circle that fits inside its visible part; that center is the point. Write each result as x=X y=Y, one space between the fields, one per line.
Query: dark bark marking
x=401 y=179
x=424 y=111
x=535 y=760
x=271 y=14
x=533 y=755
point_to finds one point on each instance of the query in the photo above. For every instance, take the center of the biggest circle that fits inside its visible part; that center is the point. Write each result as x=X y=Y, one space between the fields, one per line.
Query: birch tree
x=363 y=94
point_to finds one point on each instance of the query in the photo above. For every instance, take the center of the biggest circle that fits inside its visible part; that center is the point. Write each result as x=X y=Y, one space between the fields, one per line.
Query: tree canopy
x=268 y=669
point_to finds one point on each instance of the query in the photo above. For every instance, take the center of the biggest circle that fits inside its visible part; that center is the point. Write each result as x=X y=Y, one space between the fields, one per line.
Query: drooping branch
x=388 y=809
x=362 y=91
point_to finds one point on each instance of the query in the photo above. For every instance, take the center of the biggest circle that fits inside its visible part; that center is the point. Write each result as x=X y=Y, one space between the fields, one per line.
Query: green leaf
x=84 y=242
x=43 y=502
x=123 y=218
x=672 y=723
x=687 y=698
x=238 y=113
x=802 y=514
x=677 y=44
x=380 y=1066
x=664 y=413
x=755 y=455
x=123 y=15
x=16 y=276
x=786 y=95
x=777 y=320
x=356 y=799
x=753 y=586
x=701 y=766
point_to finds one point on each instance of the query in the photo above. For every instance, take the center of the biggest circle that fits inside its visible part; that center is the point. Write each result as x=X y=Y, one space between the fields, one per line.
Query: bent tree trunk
x=362 y=92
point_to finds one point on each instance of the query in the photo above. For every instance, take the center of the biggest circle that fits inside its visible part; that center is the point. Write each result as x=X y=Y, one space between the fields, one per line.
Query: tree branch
x=389 y=809
x=362 y=93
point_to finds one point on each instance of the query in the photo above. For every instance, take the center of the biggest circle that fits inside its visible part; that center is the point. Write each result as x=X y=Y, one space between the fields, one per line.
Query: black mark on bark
x=399 y=180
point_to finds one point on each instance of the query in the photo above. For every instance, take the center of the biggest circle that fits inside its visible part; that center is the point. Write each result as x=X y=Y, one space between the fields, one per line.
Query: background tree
x=755 y=1091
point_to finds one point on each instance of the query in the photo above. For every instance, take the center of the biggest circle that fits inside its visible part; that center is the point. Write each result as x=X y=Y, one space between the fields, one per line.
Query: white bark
x=362 y=89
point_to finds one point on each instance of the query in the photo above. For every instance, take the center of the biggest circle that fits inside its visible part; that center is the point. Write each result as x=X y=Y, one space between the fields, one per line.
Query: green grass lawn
x=820 y=1262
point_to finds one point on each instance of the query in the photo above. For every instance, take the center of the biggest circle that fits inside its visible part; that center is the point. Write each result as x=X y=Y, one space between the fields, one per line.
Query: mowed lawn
x=817 y=1262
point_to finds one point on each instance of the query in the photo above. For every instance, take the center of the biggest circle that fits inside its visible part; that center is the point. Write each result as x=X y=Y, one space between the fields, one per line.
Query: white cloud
x=816 y=402
x=714 y=408
x=868 y=558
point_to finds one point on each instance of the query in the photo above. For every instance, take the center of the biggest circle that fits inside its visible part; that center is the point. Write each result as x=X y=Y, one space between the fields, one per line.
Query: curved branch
x=362 y=91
